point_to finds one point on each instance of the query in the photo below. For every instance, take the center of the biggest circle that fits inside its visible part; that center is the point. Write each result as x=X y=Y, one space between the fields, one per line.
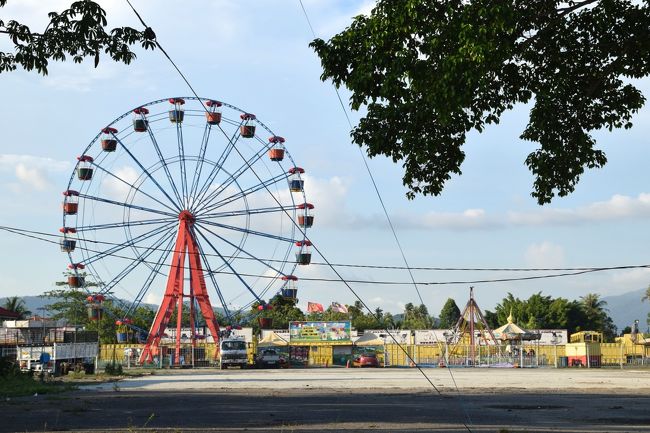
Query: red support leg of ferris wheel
x=186 y=245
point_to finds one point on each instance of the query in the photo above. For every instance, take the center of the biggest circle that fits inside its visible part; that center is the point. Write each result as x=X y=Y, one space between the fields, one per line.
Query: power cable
x=355 y=265
x=372 y=178
x=573 y=271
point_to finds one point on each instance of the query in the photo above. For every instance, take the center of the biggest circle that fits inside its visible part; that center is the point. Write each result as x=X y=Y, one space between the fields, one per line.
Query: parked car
x=365 y=360
x=269 y=358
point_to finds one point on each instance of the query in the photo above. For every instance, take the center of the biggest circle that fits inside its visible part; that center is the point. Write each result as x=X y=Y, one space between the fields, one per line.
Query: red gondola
x=289 y=290
x=247 y=129
x=74 y=279
x=95 y=307
x=303 y=256
x=213 y=116
x=85 y=167
x=306 y=218
x=140 y=122
x=276 y=152
x=109 y=143
x=70 y=202
x=177 y=113
x=68 y=242
x=296 y=183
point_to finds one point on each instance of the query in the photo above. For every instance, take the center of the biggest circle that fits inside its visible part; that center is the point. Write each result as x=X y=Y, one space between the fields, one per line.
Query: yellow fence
x=396 y=356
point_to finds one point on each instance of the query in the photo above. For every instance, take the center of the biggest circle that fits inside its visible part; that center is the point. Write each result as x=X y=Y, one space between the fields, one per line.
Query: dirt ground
x=350 y=400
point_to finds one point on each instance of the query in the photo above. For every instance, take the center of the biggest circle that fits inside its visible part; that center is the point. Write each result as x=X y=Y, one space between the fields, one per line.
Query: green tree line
x=539 y=311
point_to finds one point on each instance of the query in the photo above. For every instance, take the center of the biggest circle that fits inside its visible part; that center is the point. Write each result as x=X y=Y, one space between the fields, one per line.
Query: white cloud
x=8 y=162
x=616 y=208
x=335 y=24
x=544 y=255
x=116 y=189
x=630 y=279
x=31 y=172
x=152 y=298
x=328 y=197
x=32 y=177
x=467 y=219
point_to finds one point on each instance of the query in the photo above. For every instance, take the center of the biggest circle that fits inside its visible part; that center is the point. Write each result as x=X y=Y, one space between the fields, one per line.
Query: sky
x=255 y=55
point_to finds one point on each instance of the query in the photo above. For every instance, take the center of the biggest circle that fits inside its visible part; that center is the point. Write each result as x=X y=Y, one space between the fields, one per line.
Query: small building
x=584 y=349
x=8 y=314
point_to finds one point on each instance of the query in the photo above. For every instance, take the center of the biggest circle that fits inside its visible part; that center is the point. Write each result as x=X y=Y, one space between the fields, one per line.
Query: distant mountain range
x=626 y=308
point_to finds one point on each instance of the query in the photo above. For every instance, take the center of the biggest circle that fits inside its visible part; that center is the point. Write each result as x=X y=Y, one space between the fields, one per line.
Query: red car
x=365 y=360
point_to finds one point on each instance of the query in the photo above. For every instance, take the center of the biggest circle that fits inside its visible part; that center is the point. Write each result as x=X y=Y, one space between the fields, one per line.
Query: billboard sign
x=314 y=332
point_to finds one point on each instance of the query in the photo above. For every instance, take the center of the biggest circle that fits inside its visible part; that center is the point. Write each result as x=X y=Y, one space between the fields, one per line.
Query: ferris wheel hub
x=186 y=216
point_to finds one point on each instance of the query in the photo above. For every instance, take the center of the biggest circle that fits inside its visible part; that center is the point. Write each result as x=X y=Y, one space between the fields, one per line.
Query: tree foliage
x=416 y=317
x=17 y=305
x=284 y=310
x=428 y=72
x=71 y=306
x=449 y=314
x=78 y=32
x=546 y=312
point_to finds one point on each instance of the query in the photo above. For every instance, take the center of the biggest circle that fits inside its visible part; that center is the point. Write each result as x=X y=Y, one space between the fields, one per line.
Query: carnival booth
x=519 y=346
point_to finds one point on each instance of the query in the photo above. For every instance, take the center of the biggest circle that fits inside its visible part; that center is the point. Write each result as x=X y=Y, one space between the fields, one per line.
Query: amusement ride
x=192 y=195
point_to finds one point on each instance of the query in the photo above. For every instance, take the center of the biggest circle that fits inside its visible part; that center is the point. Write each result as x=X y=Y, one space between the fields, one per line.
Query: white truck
x=51 y=358
x=232 y=352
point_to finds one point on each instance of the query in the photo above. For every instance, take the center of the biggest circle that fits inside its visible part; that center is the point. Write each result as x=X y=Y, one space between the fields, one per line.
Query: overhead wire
x=372 y=178
x=322 y=256
x=314 y=246
x=568 y=271
x=390 y=223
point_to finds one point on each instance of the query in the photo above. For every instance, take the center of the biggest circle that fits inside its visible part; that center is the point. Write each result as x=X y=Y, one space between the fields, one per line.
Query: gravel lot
x=467 y=379
x=347 y=400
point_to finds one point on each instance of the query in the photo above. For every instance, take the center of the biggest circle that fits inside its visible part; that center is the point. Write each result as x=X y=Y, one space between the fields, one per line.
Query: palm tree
x=17 y=305
x=591 y=302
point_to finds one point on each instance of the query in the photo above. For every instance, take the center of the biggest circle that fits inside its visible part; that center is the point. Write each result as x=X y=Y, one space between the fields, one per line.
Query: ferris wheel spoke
x=267 y=264
x=140 y=238
x=155 y=270
x=211 y=275
x=217 y=167
x=153 y=179
x=247 y=212
x=134 y=187
x=227 y=263
x=233 y=178
x=170 y=178
x=135 y=262
x=181 y=155
x=201 y=159
x=241 y=194
x=248 y=231
x=129 y=205
x=125 y=224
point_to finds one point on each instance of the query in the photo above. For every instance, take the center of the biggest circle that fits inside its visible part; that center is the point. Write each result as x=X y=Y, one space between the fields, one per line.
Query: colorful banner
x=312 y=332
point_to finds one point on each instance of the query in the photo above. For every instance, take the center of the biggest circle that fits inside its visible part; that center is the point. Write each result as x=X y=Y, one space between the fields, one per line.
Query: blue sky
x=254 y=55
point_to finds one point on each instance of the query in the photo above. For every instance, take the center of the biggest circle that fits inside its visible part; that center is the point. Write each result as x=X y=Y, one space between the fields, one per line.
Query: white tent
x=369 y=339
x=272 y=339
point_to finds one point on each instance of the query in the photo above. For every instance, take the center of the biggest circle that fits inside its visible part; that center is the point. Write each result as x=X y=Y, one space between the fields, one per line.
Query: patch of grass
x=23 y=385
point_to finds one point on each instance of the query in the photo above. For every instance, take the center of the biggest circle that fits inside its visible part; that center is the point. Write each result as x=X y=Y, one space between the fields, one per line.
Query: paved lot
x=337 y=400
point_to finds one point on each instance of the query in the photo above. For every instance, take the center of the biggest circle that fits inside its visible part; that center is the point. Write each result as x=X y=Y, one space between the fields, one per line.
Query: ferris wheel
x=186 y=199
